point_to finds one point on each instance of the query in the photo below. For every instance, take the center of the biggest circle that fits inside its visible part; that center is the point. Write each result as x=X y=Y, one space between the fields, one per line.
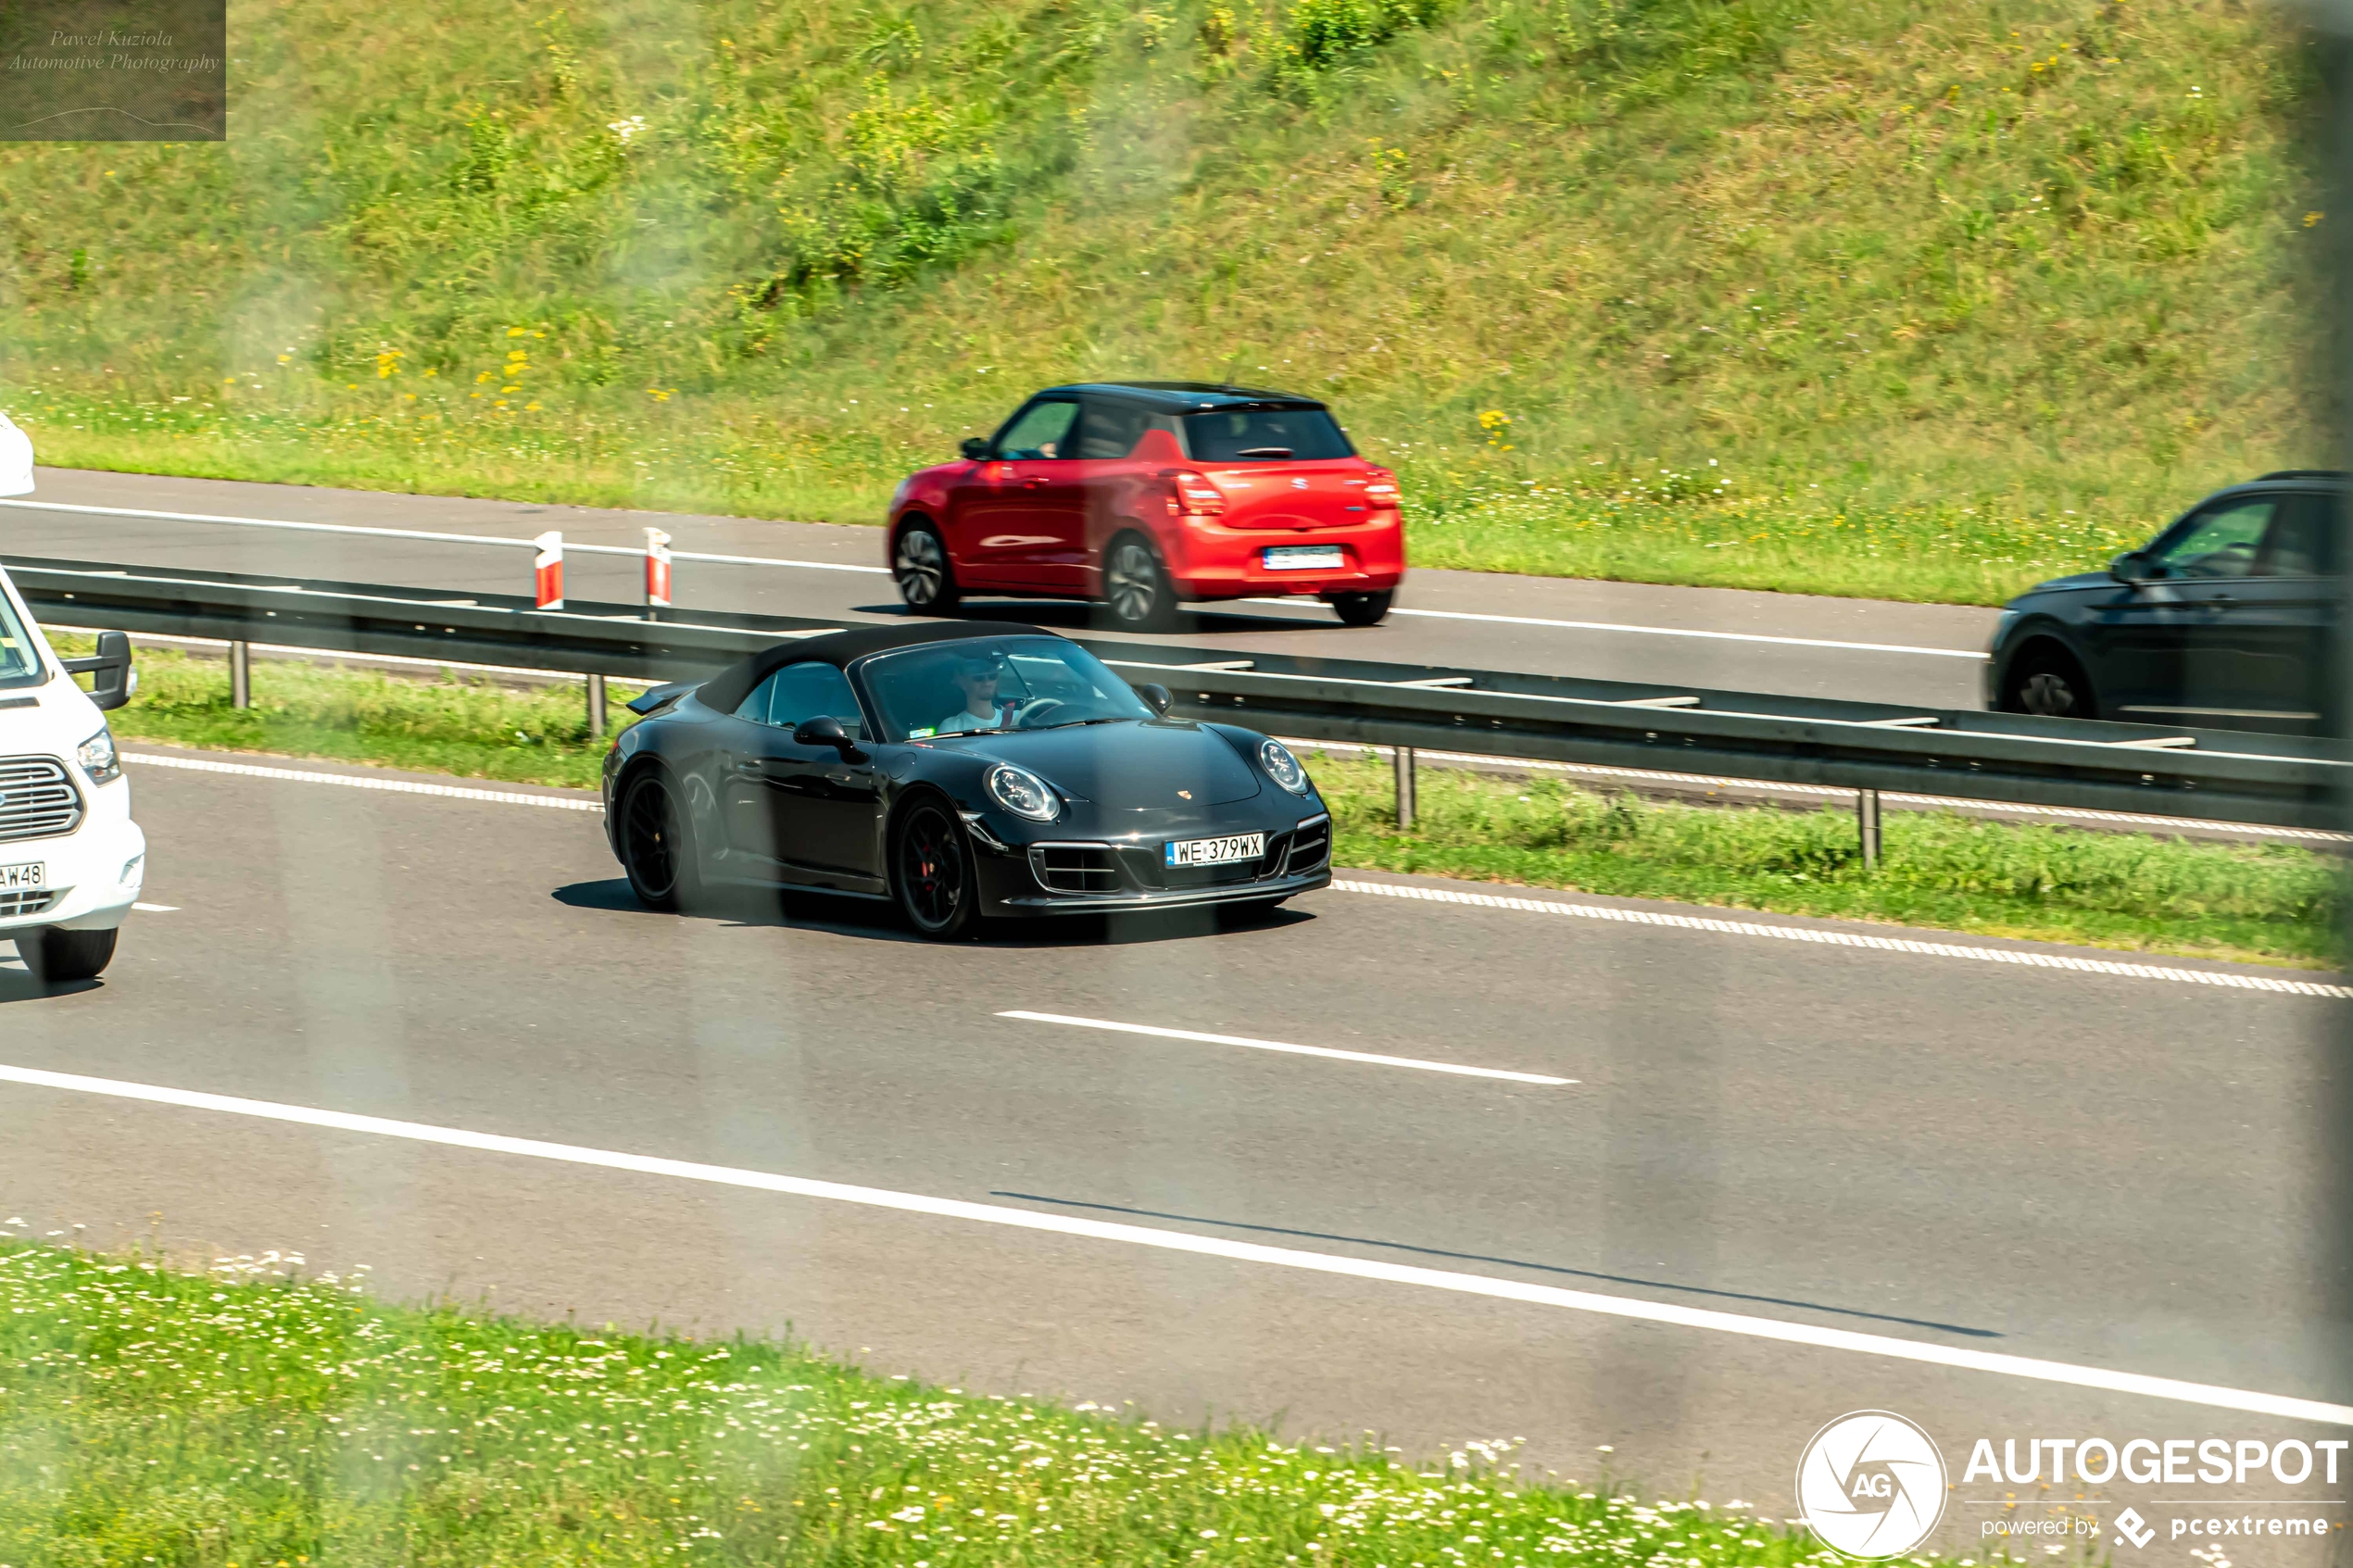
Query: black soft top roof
x=726 y=690
x=1192 y=396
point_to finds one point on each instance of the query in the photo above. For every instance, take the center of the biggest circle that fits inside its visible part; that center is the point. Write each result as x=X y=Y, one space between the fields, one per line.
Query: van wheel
x=1362 y=610
x=56 y=957
x=1135 y=588
x=926 y=582
x=2049 y=684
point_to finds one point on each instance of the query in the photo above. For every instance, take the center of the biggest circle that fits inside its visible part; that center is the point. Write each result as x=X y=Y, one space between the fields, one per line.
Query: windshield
x=1263 y=435
x=19 y=665
x=994 y=684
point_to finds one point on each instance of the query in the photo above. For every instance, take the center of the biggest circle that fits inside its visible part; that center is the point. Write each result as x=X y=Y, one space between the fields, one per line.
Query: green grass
x=2267 y=904
x=1872 y=297
x=244 y=1419
x=2274 y=904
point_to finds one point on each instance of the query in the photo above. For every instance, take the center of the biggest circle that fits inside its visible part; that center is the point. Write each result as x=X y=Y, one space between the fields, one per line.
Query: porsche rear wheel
x=932 y=875
x=926 y=582
x=657 y=846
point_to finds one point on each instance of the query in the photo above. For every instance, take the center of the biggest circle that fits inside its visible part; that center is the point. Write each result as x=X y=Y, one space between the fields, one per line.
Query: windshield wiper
x=1074 y=723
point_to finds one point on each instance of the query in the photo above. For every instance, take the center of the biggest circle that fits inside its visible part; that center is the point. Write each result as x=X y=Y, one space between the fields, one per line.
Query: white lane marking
x=1373 y=1058
x=2214 y=1396
x=1431 y=894
x=1846 y=939
x=1827 y=792
x=395 y=787
x=572 y=546
x=1670 y=631
x=158 y=908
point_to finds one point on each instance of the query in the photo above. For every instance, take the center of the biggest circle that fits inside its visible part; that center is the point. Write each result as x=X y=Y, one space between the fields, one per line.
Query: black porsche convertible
x=965 y=771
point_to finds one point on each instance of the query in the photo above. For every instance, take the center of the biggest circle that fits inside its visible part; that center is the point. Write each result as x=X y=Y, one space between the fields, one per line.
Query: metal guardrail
x=2215 y=775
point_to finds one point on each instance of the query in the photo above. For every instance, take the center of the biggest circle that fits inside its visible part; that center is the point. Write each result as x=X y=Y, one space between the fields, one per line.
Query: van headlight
x=1023 y=793
x=1282 y=766
x=98 y=759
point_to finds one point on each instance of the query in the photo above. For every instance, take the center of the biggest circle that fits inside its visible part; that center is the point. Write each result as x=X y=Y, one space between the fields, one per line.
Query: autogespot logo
x=1871 y=1485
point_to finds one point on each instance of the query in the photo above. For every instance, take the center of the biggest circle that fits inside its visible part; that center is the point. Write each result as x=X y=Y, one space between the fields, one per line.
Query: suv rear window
x=1263 y=435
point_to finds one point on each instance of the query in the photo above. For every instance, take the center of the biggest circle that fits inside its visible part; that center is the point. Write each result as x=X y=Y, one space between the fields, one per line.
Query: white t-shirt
x=964 y=721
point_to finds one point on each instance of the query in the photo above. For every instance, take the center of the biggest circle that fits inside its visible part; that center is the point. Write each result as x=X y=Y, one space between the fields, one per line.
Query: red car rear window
x=1263 y=435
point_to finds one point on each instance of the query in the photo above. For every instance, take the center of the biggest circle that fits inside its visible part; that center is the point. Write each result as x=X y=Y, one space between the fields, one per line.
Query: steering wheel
x=1036 y=709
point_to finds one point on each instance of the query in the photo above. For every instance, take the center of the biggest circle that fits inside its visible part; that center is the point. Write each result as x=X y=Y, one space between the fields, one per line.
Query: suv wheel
x=1136 y=588
x=927 y=582
x=2050 y=684
x=57 y=957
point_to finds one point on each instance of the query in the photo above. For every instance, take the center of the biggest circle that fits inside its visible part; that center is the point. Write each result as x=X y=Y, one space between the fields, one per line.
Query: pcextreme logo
x=1871 y=1485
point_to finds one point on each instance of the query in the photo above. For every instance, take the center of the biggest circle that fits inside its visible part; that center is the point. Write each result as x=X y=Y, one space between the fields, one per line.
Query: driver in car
x=977 y=676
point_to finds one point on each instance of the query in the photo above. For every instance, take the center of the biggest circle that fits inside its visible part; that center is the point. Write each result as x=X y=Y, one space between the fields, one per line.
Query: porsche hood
x=1131 y=765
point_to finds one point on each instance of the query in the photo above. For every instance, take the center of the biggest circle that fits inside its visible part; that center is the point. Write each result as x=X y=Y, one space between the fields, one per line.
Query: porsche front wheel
x=932 y=873
x=657 y=846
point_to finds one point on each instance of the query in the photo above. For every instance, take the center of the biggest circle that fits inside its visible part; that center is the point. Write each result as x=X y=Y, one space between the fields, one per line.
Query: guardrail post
x=1867 y=825
x=1403 y=756
x=240 y=675
x=596 y=706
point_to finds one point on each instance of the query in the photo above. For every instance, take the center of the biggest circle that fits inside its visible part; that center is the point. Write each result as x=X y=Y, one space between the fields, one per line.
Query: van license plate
x=1305 y=558
x=1215 y=851
x=18 y=879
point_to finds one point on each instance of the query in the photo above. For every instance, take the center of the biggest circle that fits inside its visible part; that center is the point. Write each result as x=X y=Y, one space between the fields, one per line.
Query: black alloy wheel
x=927 y=582
x=1136 y=588
x=2049 y=684
x=932 y=873
x=1362 y=610
x=56 y=958
x=656 y=847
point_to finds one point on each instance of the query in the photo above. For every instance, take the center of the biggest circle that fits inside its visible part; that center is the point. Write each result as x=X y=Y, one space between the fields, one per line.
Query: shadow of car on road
x=16 y=983
x=876 y=921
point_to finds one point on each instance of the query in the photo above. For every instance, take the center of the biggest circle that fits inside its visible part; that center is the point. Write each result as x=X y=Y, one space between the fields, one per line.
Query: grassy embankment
x=148 y=1415
x=1870 y=296
x=2271 y=904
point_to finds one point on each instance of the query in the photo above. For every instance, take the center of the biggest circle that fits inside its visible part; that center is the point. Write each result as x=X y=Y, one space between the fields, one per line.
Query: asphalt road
x=2100 y=1169
x=1708 y=637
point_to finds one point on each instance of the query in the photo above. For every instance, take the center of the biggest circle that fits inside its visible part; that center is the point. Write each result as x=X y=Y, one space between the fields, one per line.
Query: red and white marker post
x=657 y=568
x=548 y=570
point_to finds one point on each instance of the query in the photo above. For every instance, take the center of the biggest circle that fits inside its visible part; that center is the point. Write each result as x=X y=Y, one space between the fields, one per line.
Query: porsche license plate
x=1215 y=851
x=24 y=878
x=1303 y=558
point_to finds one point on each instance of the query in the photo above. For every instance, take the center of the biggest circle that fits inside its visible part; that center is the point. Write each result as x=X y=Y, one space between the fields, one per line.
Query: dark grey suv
x=2223 y=620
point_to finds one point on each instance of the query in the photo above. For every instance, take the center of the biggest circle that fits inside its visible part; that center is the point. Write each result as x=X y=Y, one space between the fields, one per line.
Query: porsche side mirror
x=823 y=730
x=975 y=448
x=112 y=680
x=2133 y=566
x=1155 y=697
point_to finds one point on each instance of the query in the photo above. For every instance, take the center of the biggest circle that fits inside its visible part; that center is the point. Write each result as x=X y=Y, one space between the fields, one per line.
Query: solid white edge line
x=1844 y=939
x=1666 y=632
x=1373 y=1058
x=570 y=546
x=2212 y=1395
x=394 y=786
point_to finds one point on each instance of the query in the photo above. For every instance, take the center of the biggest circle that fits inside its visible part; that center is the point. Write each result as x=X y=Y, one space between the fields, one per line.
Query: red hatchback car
x=1141 y=495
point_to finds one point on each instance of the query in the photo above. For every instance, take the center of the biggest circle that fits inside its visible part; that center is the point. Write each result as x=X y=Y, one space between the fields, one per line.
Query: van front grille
x=37 y=799
x=26 y=902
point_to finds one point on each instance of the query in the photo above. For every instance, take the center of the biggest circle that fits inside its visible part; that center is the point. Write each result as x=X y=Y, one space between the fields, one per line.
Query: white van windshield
x=19 y=666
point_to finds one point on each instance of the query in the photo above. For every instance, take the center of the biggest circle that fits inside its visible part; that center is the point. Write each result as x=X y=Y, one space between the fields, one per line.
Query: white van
x=71 y=859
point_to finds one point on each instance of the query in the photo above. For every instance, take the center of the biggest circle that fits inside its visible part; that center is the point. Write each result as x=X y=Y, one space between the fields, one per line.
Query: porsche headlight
x=97 y=758
x=1282 y=766
x=1023 y=793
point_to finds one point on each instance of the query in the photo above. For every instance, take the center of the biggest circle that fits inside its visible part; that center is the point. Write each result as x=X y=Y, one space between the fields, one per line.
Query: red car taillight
x=1380 y=490
x=1194 y=496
